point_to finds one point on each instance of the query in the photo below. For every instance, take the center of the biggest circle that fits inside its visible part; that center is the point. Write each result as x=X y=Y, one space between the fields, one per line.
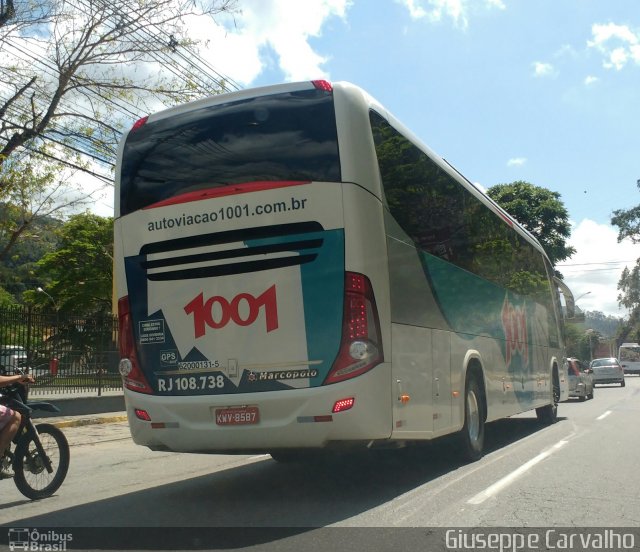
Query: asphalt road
x=580 y=472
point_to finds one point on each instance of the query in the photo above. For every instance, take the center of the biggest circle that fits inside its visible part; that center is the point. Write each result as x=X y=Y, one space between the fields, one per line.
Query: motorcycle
x=40 y=453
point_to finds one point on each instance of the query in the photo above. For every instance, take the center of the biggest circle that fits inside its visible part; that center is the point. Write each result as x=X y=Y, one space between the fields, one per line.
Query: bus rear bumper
x=295 y=418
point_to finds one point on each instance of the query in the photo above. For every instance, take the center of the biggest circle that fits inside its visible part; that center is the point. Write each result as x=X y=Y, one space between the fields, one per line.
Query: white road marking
x=603 y=416
x=259 y=457
x=508 y=479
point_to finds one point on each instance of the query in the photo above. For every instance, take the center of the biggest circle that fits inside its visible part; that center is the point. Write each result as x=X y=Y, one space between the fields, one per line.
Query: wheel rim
x=473 y=417
x=35 y=474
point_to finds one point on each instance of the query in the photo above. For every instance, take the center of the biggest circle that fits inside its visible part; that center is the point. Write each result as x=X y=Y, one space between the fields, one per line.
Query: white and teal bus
x=295 y=270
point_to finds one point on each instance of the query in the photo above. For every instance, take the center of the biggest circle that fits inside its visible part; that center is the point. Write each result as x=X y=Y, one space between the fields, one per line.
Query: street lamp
x=581 y=296
x=40 y=290
x=590 y=332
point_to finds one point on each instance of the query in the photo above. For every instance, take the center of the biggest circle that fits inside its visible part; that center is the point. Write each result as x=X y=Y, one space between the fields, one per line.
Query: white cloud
x=268 y=33
x=597 y=265
x=516 y=162
x=618 y=58
x=437 y=10
x=416 y=11
x=541 y=69
x=619 y=44
x=590 y=79
x=499 y=4
x=604 y=33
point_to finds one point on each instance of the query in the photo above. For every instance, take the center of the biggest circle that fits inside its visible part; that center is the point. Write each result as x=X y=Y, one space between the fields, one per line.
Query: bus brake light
x=139 y=123
x=323 y=85
x=343 y=404
x=142 y=415
x=361 y=345
x=129 y=368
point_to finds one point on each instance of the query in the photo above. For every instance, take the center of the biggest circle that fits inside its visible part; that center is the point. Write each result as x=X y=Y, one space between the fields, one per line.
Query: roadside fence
x=66 y=353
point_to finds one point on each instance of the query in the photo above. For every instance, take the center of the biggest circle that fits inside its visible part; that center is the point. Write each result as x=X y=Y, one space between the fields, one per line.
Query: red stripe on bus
x=506 y=219
x=230 y=189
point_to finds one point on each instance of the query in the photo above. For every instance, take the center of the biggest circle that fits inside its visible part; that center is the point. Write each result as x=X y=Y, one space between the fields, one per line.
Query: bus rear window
x=282 y=137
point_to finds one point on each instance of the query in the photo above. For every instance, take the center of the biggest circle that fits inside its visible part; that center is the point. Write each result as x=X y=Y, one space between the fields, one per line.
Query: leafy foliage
x=628 y=223
x=605 y=325
x=541 y=212
x=6 y=299
x=81 y=268
x=30 y=196
x=76 y=72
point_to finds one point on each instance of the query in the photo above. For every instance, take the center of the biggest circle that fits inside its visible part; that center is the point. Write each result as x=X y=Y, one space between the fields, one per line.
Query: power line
x=596 y=263
x=191 y=68
x=594 y=270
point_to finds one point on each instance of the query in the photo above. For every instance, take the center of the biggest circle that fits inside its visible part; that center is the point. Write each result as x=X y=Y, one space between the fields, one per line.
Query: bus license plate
x=242 y=415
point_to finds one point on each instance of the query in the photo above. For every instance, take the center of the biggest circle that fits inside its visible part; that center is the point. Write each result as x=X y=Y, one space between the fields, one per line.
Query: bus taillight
x=361 y=346
x=128 y=367
x=323 y=85
x=139 y=123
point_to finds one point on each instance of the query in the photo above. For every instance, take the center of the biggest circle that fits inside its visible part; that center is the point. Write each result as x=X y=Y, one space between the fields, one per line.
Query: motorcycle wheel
x=31 y=475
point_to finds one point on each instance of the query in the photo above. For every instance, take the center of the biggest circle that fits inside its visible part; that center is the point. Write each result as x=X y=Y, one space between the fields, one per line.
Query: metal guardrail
x=65 y=352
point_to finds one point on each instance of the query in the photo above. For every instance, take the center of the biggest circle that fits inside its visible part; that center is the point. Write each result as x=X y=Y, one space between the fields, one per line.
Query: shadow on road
x=295 y=498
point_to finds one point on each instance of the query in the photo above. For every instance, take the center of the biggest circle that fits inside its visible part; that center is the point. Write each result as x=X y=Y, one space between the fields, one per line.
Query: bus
x=296 y=271
x=629 y=357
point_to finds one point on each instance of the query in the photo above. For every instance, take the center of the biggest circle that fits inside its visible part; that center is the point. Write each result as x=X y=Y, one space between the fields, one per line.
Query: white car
x=607 y=370
x=12 y=357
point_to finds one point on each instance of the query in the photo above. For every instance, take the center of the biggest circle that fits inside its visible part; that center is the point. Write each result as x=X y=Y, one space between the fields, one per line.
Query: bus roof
x=359 y=94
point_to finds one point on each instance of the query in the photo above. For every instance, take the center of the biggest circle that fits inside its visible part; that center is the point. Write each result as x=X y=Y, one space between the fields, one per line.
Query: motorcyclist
x=9 y=423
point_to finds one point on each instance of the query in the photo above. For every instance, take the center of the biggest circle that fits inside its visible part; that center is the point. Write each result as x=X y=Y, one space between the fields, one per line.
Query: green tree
x=80 y=270
x=32 y=193
x=606 y=325
x=628 y=223
x=75 y=73
x=6 y=299
x=541 y=212
x=574 y=335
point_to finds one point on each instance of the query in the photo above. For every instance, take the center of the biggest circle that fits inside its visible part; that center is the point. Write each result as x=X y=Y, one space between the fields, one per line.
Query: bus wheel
x=472 y=434
x=549 y=414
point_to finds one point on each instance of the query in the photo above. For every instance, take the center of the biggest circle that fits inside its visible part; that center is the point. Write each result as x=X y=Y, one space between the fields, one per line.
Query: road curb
x=89 y=421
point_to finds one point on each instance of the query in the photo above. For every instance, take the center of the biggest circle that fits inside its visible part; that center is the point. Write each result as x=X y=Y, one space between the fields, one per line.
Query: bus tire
x=548 y=414
x=472 y=434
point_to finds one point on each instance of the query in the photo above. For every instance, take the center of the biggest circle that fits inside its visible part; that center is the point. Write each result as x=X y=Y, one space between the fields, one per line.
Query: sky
x=546 y=91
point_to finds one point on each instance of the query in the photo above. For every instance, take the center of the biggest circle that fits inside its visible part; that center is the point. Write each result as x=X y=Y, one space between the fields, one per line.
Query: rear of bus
x=250 y=294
